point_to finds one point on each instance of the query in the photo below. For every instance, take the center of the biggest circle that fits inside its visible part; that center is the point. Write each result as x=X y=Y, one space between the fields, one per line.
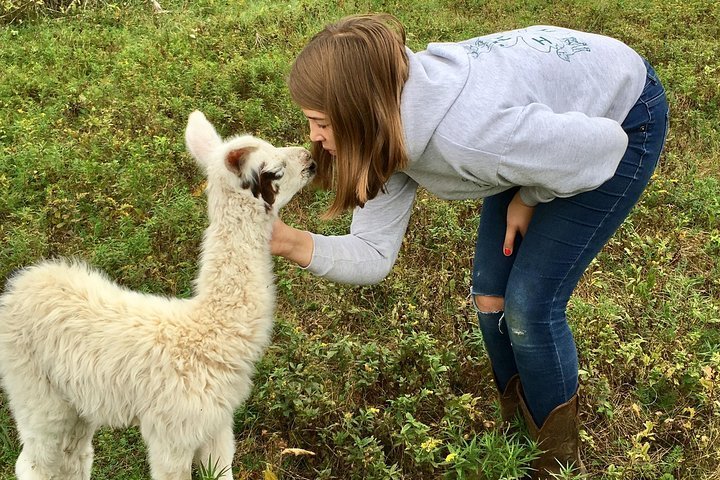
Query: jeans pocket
x=653 y=96
x=653 y=91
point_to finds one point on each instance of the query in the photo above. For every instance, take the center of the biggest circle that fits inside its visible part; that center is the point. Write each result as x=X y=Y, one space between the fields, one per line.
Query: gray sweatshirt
x=538 y=108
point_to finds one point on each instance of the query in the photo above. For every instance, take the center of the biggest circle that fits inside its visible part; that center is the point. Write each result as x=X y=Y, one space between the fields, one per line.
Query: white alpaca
x=77 y=351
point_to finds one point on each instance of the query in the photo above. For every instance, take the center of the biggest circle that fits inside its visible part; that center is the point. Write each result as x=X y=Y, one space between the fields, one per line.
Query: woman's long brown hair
x=354 y=71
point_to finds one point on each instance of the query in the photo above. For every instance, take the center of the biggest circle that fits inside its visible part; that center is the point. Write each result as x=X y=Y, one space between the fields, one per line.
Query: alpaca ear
x=235 y=160
x=201 y=138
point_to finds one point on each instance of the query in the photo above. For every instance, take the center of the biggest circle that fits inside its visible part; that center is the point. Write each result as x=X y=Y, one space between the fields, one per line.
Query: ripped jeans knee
x=491 y=319
x=490 y=308
x=488 y=303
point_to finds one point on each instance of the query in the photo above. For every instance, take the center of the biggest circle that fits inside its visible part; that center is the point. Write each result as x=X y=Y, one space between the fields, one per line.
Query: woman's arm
x=365 y=255
x=291 y=243
x=560 y=154
x=518 y=219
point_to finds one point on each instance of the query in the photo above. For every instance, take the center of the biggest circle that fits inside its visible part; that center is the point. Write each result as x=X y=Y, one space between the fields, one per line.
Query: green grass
x=388 y=381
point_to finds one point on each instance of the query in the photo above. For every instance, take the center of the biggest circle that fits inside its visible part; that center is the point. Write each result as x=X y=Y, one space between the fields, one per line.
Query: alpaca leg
x=78 y=450
x=168 y=461
x=25 y=467
x=56 y=442
x=219 y=453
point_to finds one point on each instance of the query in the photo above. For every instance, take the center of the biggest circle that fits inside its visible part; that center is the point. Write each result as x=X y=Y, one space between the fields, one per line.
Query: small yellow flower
x=451 y=457
x=268 y=474
x=430 y=444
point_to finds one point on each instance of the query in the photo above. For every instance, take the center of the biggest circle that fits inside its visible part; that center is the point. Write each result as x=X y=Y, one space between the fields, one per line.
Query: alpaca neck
x=236 y=264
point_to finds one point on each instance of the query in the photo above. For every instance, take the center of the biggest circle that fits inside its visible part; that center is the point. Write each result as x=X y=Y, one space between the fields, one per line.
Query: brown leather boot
x=510 y=401
x=558 y=438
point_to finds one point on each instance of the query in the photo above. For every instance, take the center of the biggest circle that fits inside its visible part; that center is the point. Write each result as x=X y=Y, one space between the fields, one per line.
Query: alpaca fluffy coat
x=78 y=351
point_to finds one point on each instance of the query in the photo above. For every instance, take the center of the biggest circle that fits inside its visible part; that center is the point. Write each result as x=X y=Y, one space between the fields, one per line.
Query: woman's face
x=321 y=130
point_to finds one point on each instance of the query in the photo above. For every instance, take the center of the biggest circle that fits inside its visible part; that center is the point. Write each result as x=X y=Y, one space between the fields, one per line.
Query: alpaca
x=78 y=351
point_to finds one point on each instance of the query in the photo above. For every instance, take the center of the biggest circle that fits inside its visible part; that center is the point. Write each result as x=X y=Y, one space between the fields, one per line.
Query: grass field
x=381 y=382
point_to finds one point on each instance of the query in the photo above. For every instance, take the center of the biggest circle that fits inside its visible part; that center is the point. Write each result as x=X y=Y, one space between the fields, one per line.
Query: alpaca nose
x=311 y=166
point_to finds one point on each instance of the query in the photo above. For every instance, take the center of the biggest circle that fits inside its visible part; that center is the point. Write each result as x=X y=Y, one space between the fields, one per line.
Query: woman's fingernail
x=507 y=252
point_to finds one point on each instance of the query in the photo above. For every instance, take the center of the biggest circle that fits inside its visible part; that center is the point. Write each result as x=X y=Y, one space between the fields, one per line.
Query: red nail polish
x=507 y=252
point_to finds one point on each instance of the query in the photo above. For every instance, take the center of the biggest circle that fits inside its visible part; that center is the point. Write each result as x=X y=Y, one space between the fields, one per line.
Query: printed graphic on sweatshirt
x=546 y=40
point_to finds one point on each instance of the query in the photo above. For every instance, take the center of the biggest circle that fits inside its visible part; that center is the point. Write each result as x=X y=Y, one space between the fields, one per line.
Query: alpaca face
x=249 y=165
x=295 y=169
x=269 y=173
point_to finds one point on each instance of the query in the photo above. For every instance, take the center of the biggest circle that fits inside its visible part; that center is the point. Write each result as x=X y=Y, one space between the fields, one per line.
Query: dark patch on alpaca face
x=268 y=191
x=252 y=183
x=261 y=185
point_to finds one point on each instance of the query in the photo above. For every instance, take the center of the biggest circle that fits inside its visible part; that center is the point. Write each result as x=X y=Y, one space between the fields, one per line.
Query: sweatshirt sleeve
x=560 y=154
x=368 y=253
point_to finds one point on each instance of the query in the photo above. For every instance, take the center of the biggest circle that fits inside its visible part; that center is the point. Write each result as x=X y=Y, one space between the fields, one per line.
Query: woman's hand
x=518 y=219
x=291 y=243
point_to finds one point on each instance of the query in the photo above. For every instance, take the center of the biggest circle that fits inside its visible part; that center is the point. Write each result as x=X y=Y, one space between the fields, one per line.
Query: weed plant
x=388 y=381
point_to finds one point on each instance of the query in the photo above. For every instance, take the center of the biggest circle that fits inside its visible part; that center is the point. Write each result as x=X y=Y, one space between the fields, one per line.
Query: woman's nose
x=316 y=135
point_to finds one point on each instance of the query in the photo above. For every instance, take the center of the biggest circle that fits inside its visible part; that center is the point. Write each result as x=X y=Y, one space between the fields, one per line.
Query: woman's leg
x=491 y=270
x=562 y=239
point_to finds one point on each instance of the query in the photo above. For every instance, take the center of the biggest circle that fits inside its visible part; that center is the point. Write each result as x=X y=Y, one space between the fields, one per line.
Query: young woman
x=558 y=130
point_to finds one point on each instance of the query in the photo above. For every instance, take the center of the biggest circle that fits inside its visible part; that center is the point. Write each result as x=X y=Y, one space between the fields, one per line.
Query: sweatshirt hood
x=436 y=77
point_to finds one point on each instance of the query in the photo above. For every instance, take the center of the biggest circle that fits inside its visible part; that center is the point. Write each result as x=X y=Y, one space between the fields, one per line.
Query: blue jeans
x=531 y=337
